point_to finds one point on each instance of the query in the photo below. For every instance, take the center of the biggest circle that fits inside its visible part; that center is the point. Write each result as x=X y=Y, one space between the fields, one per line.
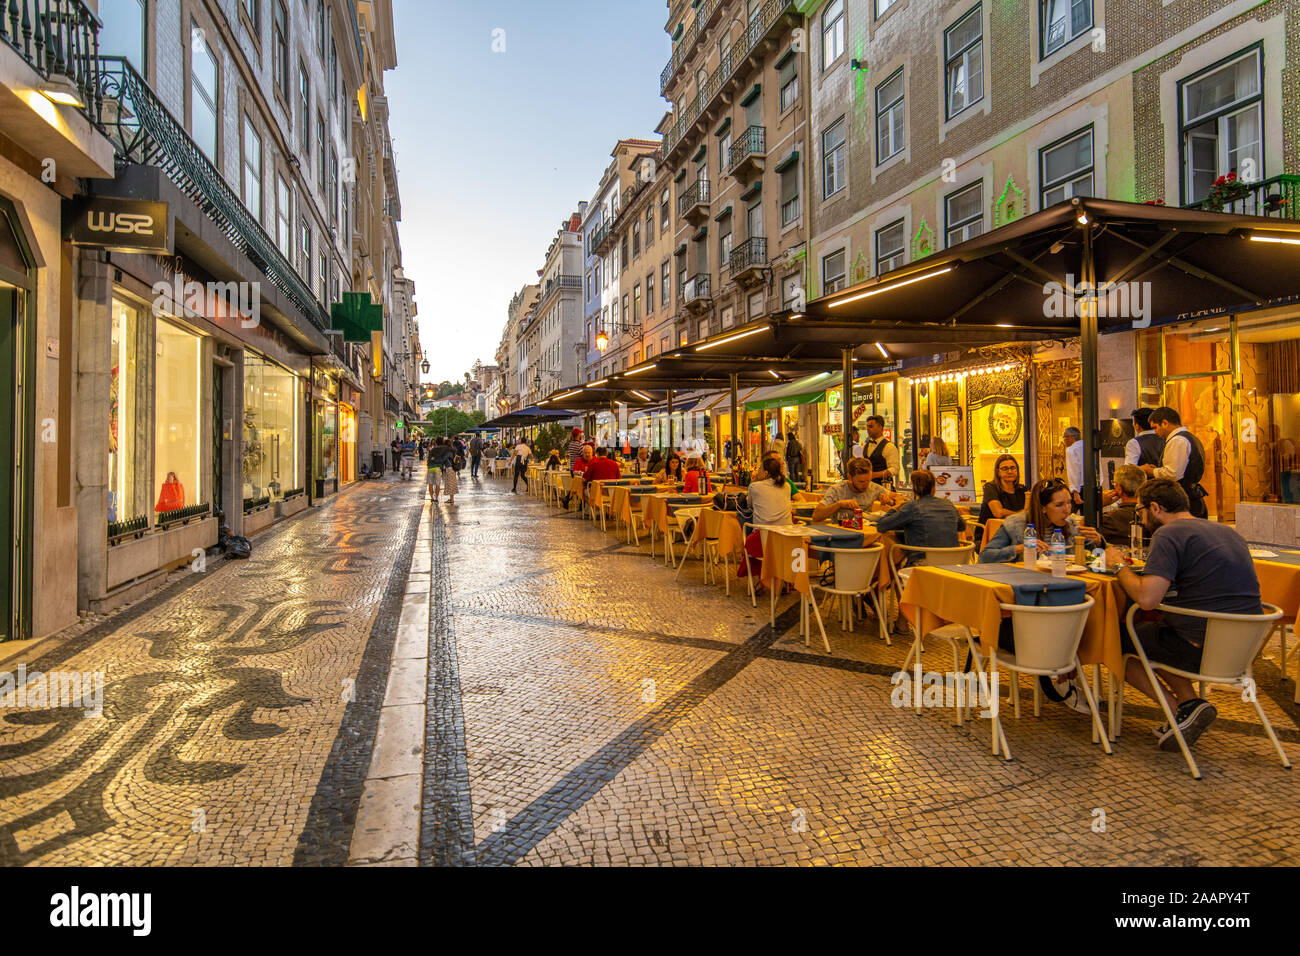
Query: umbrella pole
x=735 y=389
x=1091 y=373
x=846 y=404
x=671 y=443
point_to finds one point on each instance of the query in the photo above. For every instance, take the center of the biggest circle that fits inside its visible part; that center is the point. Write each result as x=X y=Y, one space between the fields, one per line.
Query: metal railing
x=730 y=63
x=1274 y=198
x=752 y=142
x=695 y=289
x=750 y=253
x=687 y=43
x=696 y=194
x=57 y=38
x=557 y=285
x=143 y=131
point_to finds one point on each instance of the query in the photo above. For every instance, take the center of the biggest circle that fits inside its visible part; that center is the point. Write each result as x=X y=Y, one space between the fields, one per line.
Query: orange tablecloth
x=655 y=509
x=938 y=596
x=1279 y=584
x=783 y=557
x=731 y=537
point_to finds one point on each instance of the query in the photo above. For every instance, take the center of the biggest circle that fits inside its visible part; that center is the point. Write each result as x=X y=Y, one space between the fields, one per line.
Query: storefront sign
x=832 y=429
x=124 y=225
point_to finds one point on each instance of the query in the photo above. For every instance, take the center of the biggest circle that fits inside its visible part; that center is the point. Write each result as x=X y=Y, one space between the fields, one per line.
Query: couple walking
x=442 y=470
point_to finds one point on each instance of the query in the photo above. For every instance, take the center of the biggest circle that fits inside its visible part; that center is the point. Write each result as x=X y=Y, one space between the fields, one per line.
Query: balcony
x=695 y=294
x=605 y=239
x=1275 y=198
x=145 y=132
x=749 y=261
x=693 y=203
x=748 y=154
x=57 y=42
x=558 y=285
x=686 y=45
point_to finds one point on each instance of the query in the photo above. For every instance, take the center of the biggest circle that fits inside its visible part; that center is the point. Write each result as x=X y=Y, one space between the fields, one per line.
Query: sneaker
x=1074 y=698
x=1193 y=717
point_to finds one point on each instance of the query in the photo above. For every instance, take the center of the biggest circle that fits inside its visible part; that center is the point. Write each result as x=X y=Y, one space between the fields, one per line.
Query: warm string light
x=965 y=373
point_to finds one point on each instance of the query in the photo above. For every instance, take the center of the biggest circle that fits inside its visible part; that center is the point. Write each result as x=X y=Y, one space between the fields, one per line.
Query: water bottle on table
x=1059 y=557
x=1031 y=547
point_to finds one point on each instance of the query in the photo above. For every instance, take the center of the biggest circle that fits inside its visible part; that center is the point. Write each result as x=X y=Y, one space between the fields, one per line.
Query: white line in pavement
x=387 y=830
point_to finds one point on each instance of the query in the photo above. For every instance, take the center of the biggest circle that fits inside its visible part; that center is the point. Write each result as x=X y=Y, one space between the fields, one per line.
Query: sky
x=495 y=150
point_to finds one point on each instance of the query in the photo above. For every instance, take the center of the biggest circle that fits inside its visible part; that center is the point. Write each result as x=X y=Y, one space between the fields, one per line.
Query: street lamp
x=602 y=340
x=424 y=366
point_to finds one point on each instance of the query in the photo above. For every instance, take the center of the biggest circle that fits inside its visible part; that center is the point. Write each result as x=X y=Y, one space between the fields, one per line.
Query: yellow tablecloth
x=654 y=509
x=731 y=537
x=1279 y=584
x=937 y=596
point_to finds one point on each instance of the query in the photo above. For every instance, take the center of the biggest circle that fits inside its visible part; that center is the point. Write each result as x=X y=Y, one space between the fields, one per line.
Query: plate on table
x=1045 y=564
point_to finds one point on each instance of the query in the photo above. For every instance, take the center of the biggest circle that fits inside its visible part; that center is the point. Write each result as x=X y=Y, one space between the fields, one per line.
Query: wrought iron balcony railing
x=686 y=45
x=750 y=254
x=1275 y=198
x=752 y=144
x=557 y=285
x=696 y=289
x=143 y=131
x=696 y=194
x=60 y=40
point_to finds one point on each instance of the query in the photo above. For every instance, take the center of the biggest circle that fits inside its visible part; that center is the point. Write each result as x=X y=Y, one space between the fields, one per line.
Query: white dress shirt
x=1133 y=450
x=1074 y=467
x=1177 y=454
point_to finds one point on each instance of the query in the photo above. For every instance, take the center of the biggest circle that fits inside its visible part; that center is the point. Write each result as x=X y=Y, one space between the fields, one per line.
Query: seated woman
x=769 y=498
x=938 y=456
x=925 y=521
x=697 y=478
x=781 y=464
x=1004 y=495
x=655 y=463
x=1049 y=508
x=553 y=460
x=672 y=473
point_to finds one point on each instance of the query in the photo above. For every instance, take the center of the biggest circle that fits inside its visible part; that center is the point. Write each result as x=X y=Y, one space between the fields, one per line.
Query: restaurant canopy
x=532 y=415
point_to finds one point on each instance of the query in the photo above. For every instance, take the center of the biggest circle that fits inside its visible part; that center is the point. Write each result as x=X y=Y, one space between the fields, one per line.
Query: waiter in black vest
x=881 y=453
x=1183 y=458
x=1145 y=447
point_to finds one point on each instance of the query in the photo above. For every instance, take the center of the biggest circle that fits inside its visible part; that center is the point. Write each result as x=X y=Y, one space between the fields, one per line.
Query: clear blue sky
x=495 y=150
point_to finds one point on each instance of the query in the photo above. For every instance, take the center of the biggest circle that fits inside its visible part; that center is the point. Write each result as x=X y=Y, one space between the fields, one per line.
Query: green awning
x=723 y=127
x=677 y=34
x=804 y=391
x=752 y=94
x=785 y=58
x=699 y=153
x=786 y=163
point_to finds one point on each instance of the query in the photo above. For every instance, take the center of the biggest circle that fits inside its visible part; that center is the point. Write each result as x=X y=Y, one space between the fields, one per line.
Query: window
x=724 y=242
x=704 y=329
x=649 y=293
x=1060 y=21
x=790 y=194
x=832 y=33
x=728 y=317
x=1066 y=169
x=623 y=326
x=322 y=273
x=254 y=10
x=320 y=28
x=636 y=303
x=964 y=211
x=322 y=156
x=203 y=93
x=663 y=210
x=304 y=112
x=755 y=305
x=833 y=272
x=754 y=220
x=270 y=424
x=280 y=48
x=333 y=185
x=724 y=150
x=789 y=84
x=283 y=217
x=623 y=251
x=964 y=62
x=649 y=352
x=636 y=240
x=1222 y=124
x=665 y=284
x=891 y=133
x=890 y=242
x=882 y=6
x=597 y=271
x=252 y=170
x=604 y=318
x=123 y=33
x=127 y=488
x=334 y=72
x=665 y=344
x=834 y=170
x=650 y=225
x=178 y=404
x=347 y=214
x=304 y=251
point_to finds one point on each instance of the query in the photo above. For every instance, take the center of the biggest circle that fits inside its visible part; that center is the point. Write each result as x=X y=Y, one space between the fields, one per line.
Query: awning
x=532 y=415
x=805 y=391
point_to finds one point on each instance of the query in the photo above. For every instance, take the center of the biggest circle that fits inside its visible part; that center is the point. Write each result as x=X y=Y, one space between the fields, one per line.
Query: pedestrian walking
x=523 y=455
x=793 y=457
x=475 y=456
x=396 y=449
x=441 y=474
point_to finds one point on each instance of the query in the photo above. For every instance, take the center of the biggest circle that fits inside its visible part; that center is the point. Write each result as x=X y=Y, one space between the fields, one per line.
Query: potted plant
x=1226 y=190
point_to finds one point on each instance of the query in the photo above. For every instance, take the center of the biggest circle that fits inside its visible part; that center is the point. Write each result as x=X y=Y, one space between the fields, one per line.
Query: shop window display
x=178 y=439
x=128 y=484
x=270 y=459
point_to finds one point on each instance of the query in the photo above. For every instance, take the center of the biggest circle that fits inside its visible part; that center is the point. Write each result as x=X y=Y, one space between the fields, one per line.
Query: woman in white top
x=938 y=456
x=769 y=494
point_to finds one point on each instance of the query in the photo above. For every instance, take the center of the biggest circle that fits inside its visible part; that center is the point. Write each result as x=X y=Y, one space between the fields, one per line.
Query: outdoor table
x=1279 y=584
x=655 y=509
x=731 y=538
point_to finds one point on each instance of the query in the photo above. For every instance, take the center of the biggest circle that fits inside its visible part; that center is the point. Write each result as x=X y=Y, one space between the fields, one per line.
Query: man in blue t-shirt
x=1193 y=563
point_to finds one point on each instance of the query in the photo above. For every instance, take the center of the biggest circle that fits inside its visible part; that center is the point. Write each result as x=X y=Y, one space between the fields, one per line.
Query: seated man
x=1117 y=521
x=580 y=466
x=1198 y=564
x=856 y=491
x=601 y=468
x=925 y=521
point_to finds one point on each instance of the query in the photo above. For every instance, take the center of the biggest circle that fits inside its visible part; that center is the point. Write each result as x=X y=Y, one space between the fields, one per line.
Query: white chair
x=680 y=521
x=855 y=576
x=1232 y=642
x=1047 y=644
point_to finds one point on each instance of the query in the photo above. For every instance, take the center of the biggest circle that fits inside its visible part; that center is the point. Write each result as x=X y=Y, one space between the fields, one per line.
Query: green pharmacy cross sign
x=356 y=317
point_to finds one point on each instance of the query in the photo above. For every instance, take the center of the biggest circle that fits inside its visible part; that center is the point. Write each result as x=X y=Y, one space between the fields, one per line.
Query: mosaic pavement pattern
x=582 y=709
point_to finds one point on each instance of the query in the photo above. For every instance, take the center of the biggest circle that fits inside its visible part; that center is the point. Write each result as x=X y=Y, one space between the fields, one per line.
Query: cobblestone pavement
x=580 y=707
